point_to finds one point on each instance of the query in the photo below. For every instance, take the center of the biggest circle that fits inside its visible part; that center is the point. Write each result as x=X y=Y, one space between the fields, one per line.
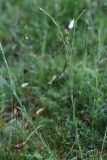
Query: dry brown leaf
x=19 y=146
x=40 y=111
x=53 y=78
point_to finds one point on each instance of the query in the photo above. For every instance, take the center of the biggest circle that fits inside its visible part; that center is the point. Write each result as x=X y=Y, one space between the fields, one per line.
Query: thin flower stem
x=11 y=81
x=11 y=86
x=33 y=133
x=64 y=43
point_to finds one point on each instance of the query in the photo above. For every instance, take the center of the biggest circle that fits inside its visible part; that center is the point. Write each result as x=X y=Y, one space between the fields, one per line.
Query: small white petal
x=27 y=37
x=24 y=85
x=71 y=24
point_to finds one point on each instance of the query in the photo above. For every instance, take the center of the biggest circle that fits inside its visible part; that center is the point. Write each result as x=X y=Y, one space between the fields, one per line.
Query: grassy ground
x=53 y=80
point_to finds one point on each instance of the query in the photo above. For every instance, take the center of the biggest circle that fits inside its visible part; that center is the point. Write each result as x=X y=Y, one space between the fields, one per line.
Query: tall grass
x=65 y=73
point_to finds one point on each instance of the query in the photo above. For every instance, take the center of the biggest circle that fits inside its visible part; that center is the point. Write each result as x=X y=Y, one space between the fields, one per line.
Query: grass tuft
x=53 y=100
